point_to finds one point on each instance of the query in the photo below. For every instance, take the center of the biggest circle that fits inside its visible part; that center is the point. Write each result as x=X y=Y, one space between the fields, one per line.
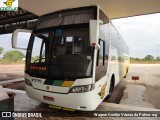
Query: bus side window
x=39 y=52
x=100 y=68
x=37 y=49
x=43 y=52
x=101 y=53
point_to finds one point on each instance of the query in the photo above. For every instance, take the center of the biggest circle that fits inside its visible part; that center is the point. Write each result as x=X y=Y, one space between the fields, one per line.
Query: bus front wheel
x=111 y=88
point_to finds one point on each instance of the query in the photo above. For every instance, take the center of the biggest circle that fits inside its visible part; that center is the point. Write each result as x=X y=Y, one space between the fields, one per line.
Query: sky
x=5 y=43
x=141 y=33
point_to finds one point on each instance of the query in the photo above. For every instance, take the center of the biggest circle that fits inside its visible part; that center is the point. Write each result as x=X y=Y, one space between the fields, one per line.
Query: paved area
x=149 y=74
x=145 y=91
x=134 y=96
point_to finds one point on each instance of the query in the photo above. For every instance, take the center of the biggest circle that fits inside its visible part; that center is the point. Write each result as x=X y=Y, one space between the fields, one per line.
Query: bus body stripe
x=60 y=83
x=57 y=82
x=67 y=83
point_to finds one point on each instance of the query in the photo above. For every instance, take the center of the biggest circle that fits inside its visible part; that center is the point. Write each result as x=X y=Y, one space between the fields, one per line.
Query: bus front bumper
x=79 y=101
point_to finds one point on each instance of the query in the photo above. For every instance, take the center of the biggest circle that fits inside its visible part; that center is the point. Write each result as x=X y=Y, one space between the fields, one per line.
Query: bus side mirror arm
x=96 y=46
x=100 y=22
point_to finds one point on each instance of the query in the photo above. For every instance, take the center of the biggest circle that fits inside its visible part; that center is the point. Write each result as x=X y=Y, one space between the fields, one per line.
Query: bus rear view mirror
x=94 y=32
x=20 y=38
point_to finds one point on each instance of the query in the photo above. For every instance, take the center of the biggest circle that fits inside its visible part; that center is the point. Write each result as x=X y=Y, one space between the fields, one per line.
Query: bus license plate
x=48 y=98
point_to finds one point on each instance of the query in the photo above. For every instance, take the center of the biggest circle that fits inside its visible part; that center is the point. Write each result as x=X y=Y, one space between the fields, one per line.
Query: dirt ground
x=8 y=72
x=13 y=69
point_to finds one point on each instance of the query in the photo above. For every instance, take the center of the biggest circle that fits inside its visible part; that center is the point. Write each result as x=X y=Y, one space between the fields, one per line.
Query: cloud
x=141 y=33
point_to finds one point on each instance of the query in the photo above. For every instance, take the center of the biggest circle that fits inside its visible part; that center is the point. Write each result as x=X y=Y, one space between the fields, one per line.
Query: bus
x=74 y=58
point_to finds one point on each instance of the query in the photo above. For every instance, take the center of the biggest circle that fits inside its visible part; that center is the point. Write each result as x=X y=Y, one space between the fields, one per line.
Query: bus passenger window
x=101 y=51
x=39 y=48
x=101 y=67
x=78 y=44
x=43 y=53
x=36 y=50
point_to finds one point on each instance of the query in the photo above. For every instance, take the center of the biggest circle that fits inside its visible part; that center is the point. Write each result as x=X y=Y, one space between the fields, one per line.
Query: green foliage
x=1 y=50
x=8 y=62
x=157 y=58
x=149 y=57
x=13 y=56
x=33 y=59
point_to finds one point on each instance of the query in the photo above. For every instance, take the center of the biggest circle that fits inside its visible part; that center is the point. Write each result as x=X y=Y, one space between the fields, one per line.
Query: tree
x=158 y=58
x=149 y=57
x=14 y=55
x=1 y=50
x=137 y=59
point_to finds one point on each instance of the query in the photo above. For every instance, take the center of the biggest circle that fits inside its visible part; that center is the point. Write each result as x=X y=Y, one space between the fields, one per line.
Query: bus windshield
x=61 y=54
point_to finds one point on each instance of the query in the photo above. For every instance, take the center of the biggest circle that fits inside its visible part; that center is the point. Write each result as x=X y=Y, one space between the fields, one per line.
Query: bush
x=1 y=50
x=13 y=56
x=149 y=57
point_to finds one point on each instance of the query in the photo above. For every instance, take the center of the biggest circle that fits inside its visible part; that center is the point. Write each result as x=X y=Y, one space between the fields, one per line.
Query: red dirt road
x=8 y=72
x=13 y=69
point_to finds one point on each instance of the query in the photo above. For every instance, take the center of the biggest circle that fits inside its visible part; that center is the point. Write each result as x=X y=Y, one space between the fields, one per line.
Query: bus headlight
x=28 y=82
x=81 y=89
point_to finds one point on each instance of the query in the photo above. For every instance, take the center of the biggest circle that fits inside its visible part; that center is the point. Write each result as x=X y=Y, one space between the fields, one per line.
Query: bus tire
x=111 y=87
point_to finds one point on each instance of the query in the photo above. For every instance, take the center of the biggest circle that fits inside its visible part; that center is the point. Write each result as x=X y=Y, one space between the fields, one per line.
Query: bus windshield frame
x=67 y=54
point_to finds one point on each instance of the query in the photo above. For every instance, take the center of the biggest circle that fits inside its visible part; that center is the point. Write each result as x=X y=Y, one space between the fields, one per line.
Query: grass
x=8 y=62
x=144 y=61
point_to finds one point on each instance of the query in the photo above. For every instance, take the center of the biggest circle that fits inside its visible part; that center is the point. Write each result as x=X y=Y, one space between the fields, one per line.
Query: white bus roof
x=113 y=8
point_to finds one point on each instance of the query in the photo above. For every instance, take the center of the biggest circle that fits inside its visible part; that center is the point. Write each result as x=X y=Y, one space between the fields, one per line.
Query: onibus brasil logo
x=8 y=5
